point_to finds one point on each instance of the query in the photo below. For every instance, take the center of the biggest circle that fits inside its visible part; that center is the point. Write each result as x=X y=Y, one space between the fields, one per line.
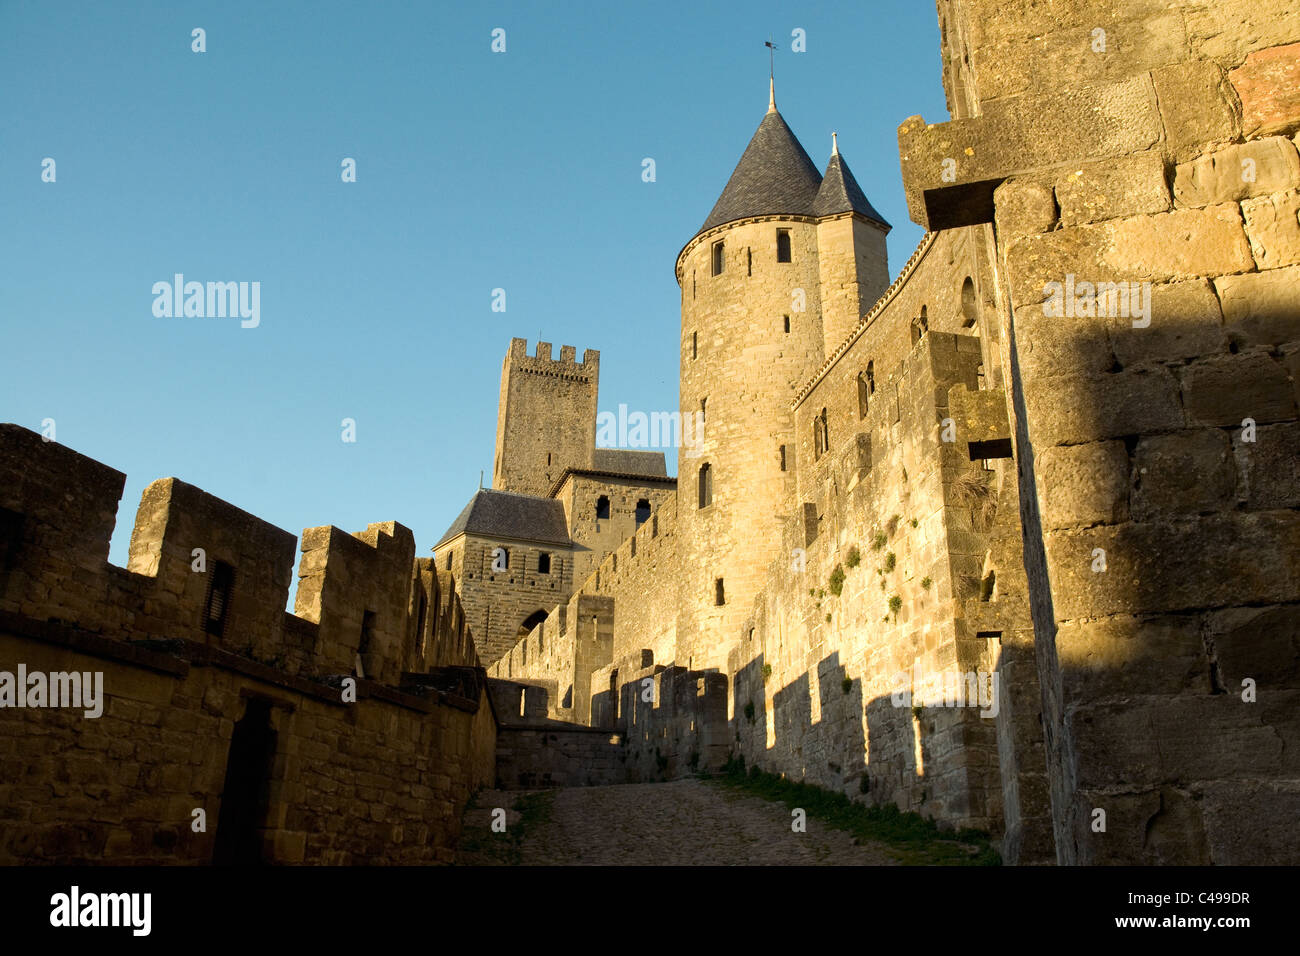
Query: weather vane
x=771 y=58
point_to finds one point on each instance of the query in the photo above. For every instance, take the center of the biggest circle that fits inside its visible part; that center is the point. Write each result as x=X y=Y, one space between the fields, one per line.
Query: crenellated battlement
x=202 y=570
x=566 y=366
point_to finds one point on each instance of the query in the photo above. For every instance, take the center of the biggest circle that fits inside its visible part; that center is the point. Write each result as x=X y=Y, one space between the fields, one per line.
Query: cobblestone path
x=685 y=822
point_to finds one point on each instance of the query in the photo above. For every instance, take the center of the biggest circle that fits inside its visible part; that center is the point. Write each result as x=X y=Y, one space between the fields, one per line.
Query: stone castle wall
x=186 y=687
x=1160 y=532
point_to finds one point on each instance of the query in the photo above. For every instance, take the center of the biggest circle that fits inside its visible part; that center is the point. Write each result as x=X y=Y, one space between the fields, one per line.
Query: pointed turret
x=840 y=192
x=774 y=176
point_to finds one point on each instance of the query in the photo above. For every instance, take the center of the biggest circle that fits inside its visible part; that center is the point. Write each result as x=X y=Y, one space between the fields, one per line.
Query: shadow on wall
x=1168 y=480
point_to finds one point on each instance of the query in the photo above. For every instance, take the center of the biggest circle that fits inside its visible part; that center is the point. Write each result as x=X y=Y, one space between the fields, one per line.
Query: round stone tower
x=752 y=288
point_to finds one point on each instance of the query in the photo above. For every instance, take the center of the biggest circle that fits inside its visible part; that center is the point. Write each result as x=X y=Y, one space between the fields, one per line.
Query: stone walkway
x=685 y=822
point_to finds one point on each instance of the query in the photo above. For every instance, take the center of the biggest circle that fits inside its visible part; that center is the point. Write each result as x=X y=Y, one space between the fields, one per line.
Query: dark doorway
x=244 y=798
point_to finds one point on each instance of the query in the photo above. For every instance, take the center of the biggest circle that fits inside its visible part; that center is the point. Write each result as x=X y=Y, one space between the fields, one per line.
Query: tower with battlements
x=546 y=419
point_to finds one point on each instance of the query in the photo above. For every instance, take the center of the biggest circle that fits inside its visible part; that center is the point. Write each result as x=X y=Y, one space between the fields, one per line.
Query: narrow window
x=704 y=407
x=817 y=438
x=783 y=458
x=749 y=261
x=505 y=559
x=642 y=511
x=543 y=563
x=920 y=325
x=787 y=323
x=969 y=312
x=367 y=635
x=718 y=260
x=783 y=245
x=826 y=434
x=706 y=485
x=548 y=459
x=602 y=507
x=220 y=585
x=864 y=393
x=871 y=378
x=719 y=593
x=695 y=344
x=419 y=624
x=450 y=555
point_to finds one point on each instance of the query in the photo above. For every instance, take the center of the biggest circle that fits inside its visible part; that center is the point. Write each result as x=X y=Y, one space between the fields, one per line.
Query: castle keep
x=937 y=545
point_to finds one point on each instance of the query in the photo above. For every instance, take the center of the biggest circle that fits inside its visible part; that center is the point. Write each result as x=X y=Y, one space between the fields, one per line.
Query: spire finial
x=835 y=145
x=771 y=74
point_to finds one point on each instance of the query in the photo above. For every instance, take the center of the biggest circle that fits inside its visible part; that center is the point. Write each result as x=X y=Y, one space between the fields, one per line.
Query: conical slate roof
x=840 y=193
x=774 y=177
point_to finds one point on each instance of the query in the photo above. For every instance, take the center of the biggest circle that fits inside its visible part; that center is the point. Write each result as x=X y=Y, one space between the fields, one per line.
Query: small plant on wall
x=895 y=605
x=837 y=580
x=854 y=557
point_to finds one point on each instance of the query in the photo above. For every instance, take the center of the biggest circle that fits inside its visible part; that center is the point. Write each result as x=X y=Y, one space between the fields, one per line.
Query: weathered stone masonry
x=226 y=704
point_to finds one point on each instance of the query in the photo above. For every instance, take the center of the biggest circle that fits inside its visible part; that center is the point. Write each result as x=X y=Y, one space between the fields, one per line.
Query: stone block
x=1262 y=308
x=1258 y=643
x=1268 y=84
x=1023 y=207
x=1187 y=472
x=1083 y=485
x=1273 y=228
x=1251 y=822
x=1238 y=172
x=1196 y=108
x=1182 y=244
x=1154 y=567
x=951 y=169
x=1124 y=187
x=1126 y=656
x=1186 y=322
x=1271 y=466
x=1226 y=389
x=1072 y=410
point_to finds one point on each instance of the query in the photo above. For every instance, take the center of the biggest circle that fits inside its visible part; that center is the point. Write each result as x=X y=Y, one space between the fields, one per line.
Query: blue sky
x=518 y=170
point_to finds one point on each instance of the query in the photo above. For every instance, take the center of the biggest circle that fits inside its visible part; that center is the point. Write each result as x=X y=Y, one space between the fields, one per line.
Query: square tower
x=546 y=418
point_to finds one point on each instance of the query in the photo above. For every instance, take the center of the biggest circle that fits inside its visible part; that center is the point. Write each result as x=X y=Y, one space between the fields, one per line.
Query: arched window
x=864 y=393
x=719 y=259
x=642 y=511
x=783 y=245
x=706 y=485
x=821 y=435
x=602 y=507
x=920 y=325
x=969 y=312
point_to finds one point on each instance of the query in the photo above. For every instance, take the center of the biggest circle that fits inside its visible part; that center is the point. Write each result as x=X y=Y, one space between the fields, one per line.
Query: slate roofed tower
x=854 y=269
x=753 y=291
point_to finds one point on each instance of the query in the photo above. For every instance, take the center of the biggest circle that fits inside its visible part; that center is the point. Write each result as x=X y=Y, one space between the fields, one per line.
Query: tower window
x=450 y=555
x=718 y=258
x=543 y=563
x=783 y=458
x=706 y=485
x=969 y=311
x=367 y=634
x=749 y=261
x=548 y=459
x=783 y=245
x=864 y=393
x=704 y=407
x=719 y=593
x=642 y=511
x=821 y=435
x=787 y=323
x=602 y=507
x=695 y=344
x=220 y=586
x=920 y=325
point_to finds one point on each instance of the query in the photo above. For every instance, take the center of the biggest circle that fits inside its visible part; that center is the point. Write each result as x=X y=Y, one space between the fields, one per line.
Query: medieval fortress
x=1012 y=540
